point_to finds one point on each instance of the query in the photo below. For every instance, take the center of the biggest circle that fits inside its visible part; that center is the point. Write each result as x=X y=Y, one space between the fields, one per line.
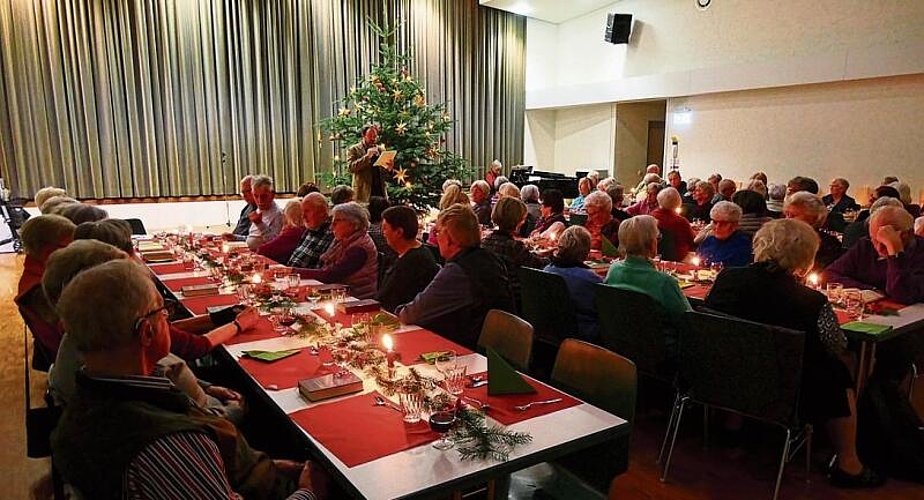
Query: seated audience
x=727 y=188
x=240 y=231
x=890 y=260
x=318 y=236
x=128 y=434
x=860 y=227
x=638 y=241
x=530 y=196
x=648 y=204
x=41 y=236
x=341 y=194
x=415 y=266
x=45 y=194
x=352 y=258
x=481 y=202
x=702 y=202
x=758 y=187
x=551 y=216
x=617 y=193
x=600 y=221
x=771 y=291
x=509 y=215
x=675 y=181
x=904 y=194
x=79 y=213
x=281 y=247
x=568 y=262
x=642 y=186
x=449 y=182
x=498 y=182
x=266 y=220
x=837 y=199
x=472 y=282
x=753 y=210
x=726 y=245
x=605 y=184
x=759 y=176
x=305 y=188
x=585 y=186
x=800 y=183
x=691 y=186
x=594 y=177
x=776 y=194
x=377 y=205
x=451 y=196
x=889 y=179
x=115 y=232
x=670 y=222
x=54 y=204
x=493 y=172
x=809 y=209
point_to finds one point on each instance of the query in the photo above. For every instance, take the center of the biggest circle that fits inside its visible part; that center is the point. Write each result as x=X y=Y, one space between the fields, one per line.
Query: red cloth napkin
x=502 y=406
x=177 y=284
x=357 y=432
x=262 y=331
x=168 y=268
x=410 y=345
x=199 y=305
x=286 y=372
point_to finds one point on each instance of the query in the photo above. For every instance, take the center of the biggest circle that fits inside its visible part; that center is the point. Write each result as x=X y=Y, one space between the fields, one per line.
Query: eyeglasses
x=167 y=310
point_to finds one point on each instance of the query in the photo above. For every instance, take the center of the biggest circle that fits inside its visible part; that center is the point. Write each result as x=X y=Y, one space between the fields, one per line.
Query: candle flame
x=679 y=210
x=813 y=278
x=695 y=261
x=329 y=309
x=387 y=342
x=257 y=279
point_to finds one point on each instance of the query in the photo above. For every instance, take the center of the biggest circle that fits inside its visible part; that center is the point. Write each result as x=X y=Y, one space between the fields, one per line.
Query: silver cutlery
x=477 y=381
x=536 y=403
x=380 y=401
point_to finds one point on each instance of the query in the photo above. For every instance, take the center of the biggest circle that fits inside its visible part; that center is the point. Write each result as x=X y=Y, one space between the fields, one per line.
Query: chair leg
x=914 y=377
x=783 y=460
x=705 y=426
x=670 y=424
x=809 y=430
x=670 y=451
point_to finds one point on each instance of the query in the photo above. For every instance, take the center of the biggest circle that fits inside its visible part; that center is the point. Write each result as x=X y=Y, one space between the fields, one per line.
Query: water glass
x=855 y=305
x=834 y=292
x=412 y=403
x=455 y=378
x=294 y=280
x=243 y=293
x=341 y=357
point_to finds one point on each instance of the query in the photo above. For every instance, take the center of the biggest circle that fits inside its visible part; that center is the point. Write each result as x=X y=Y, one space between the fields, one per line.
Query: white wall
x=569 y=139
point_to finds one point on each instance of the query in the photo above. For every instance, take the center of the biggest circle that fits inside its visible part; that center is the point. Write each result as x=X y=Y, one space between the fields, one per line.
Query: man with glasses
x=318 y=235
x=130 y=434
x=240 y=231
x=726 y=245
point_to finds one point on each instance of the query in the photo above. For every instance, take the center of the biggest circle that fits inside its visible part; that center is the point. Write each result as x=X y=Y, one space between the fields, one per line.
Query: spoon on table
x=380 y=401
x=477 y=381
x=534 y=403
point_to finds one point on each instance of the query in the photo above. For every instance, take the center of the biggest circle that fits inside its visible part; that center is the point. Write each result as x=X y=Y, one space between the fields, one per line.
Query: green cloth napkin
x=685 y=284
x=431 y=357
x=863 y=327
x=503 y=379
x=607 y=248
x=270 y=356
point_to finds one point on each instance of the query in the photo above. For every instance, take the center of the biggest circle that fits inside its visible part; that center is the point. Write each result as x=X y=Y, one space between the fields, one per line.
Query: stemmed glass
x=313 y=296
x=855 y=305
x=441 y=423
x=341 y=356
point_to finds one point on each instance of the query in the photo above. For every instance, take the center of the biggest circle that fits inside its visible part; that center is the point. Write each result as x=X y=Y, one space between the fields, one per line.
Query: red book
x=330 y=386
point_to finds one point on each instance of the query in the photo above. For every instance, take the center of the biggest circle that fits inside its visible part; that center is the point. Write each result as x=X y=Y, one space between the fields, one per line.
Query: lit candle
x=813 y=280
x=329 y=309
x=389 y=348
x=695 y=260
x=225 y=248
x=256 y=279
x=679 y=210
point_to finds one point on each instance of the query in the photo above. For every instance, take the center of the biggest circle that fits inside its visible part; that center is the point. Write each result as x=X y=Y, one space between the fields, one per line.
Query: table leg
x=861 y=367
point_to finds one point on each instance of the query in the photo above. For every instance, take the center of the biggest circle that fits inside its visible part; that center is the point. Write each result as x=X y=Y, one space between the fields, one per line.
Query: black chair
x=751 y=369
x=435 y=250
x=636 y=326
x=667 y=248
x=137 y=226
x=577 y=219
x=546 y=304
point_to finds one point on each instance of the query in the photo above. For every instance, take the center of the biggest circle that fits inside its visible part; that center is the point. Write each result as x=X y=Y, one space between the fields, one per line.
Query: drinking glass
x=341 y=357
x=189 y=262
x=855 y=305
x=313 y=296
x=834 y=292
x=360 y=322
x=243 y=293
x=412 y=404
x=453 y=372
x=441 y=423
x=294 y=280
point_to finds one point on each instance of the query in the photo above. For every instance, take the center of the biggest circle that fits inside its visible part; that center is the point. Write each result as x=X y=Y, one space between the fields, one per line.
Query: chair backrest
x=667 y=247
x=634 y=325
x=510 y=336
x=597 y=375
x=752 y=368
x=577 y=219
x=137 y=226
x=435 y=250
x=546 y=304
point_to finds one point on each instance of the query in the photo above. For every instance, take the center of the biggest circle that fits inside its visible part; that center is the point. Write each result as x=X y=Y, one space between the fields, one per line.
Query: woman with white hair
x=281 y=247
x=648 y=204
x=530 y=196
x=600 y=221
x=771 y=291
x=726 y=245
x=585 y=186
x=672 y=223
x=568 y=262
x=480 y=194
x=352 y=258
x=494 y=171
x=809 y=209
x=638 y=241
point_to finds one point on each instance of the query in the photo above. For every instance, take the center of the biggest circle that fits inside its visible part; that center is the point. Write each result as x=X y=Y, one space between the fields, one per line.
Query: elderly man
x=318 y=236
x=481 y=201
x=727 y=245
x=703 y=192
x=651 y=171
x=472 y=282
x=727 y=188
x=368 y=179
x=266 y=220
x=675 y=181
x=837 y=199
x=129 y=434
x=243 y=221
x=415 y=267
x=891 y=259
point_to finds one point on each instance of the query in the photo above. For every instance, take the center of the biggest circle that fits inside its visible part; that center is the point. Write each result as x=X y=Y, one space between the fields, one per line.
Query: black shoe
x=867 y=478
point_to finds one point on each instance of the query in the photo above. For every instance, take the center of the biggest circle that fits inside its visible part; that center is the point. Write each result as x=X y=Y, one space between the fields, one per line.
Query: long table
x=420 y=471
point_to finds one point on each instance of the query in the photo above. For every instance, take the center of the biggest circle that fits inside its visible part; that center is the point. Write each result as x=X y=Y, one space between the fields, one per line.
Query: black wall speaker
x=618 y=28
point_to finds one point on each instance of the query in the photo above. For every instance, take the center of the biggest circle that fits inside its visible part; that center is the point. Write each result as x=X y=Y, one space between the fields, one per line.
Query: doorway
x=640 y=130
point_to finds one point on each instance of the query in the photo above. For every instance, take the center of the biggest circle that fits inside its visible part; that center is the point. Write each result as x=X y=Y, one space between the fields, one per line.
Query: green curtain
x=143 y=98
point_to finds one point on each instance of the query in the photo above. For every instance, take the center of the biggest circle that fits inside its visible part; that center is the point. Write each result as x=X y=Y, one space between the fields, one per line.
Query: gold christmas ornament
x=401 y=175
x=401 y=128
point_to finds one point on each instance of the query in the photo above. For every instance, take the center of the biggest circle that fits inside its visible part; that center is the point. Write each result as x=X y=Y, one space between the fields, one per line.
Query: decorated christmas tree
x=391 y=99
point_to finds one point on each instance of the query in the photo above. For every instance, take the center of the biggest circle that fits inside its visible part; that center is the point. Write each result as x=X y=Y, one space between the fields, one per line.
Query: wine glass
x=341 y=357
x=441 y=423
x=313 y=296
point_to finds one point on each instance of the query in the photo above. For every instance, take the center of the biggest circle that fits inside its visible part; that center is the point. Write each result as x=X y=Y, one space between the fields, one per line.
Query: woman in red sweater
x=281 y=247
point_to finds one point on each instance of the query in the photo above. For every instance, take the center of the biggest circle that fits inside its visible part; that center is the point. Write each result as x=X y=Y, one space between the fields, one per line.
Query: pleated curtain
x=167 y=98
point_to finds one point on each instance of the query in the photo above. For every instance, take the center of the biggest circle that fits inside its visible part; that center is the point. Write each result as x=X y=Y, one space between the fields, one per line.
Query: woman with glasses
x=726 y=245
x=600 y=221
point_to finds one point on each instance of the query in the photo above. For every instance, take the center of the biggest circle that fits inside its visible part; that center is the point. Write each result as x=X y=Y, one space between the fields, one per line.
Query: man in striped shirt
x=318 y=237
x=128 y=434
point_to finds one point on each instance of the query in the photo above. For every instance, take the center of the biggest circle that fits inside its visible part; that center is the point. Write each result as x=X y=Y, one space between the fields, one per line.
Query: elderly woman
x=701 y=207
x=352 y=258
x=809 y=209
x=776 y=194
x=753 y=210
x=451 y=195
x=837 y=199
x=770 y=291
x=530 y=196
x=45 y=194
x=638 y=241
x=726 y=245
x=551 y=217
x=568 y=262
x=281 y=247
x=670 y=222
x=41 y=236
x=414 y=267
x=116 y=232
x=600 y=221
x=81 y=212
x=509 y=214
x=493 y=172
x=585 y=186
x=481 y=202
x=649 y=203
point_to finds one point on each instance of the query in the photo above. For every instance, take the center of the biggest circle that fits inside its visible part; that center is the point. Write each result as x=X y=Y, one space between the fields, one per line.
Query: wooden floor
x=717 y=473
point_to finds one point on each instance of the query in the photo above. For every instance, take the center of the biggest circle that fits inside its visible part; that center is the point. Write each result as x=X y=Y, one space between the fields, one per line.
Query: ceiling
x=552 y=11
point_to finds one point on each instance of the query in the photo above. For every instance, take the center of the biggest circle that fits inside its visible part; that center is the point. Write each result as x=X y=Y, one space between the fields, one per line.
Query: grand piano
x=523 y=175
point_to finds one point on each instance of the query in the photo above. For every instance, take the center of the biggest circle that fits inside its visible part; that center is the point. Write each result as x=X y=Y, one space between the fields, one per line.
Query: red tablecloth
x=168 y=268
x=286 y=372
x=410 y=345
x=263 y=331
x=502 y=406
x=199 y=305
x=697 y=291
x=356 y=431
x=177 y=284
